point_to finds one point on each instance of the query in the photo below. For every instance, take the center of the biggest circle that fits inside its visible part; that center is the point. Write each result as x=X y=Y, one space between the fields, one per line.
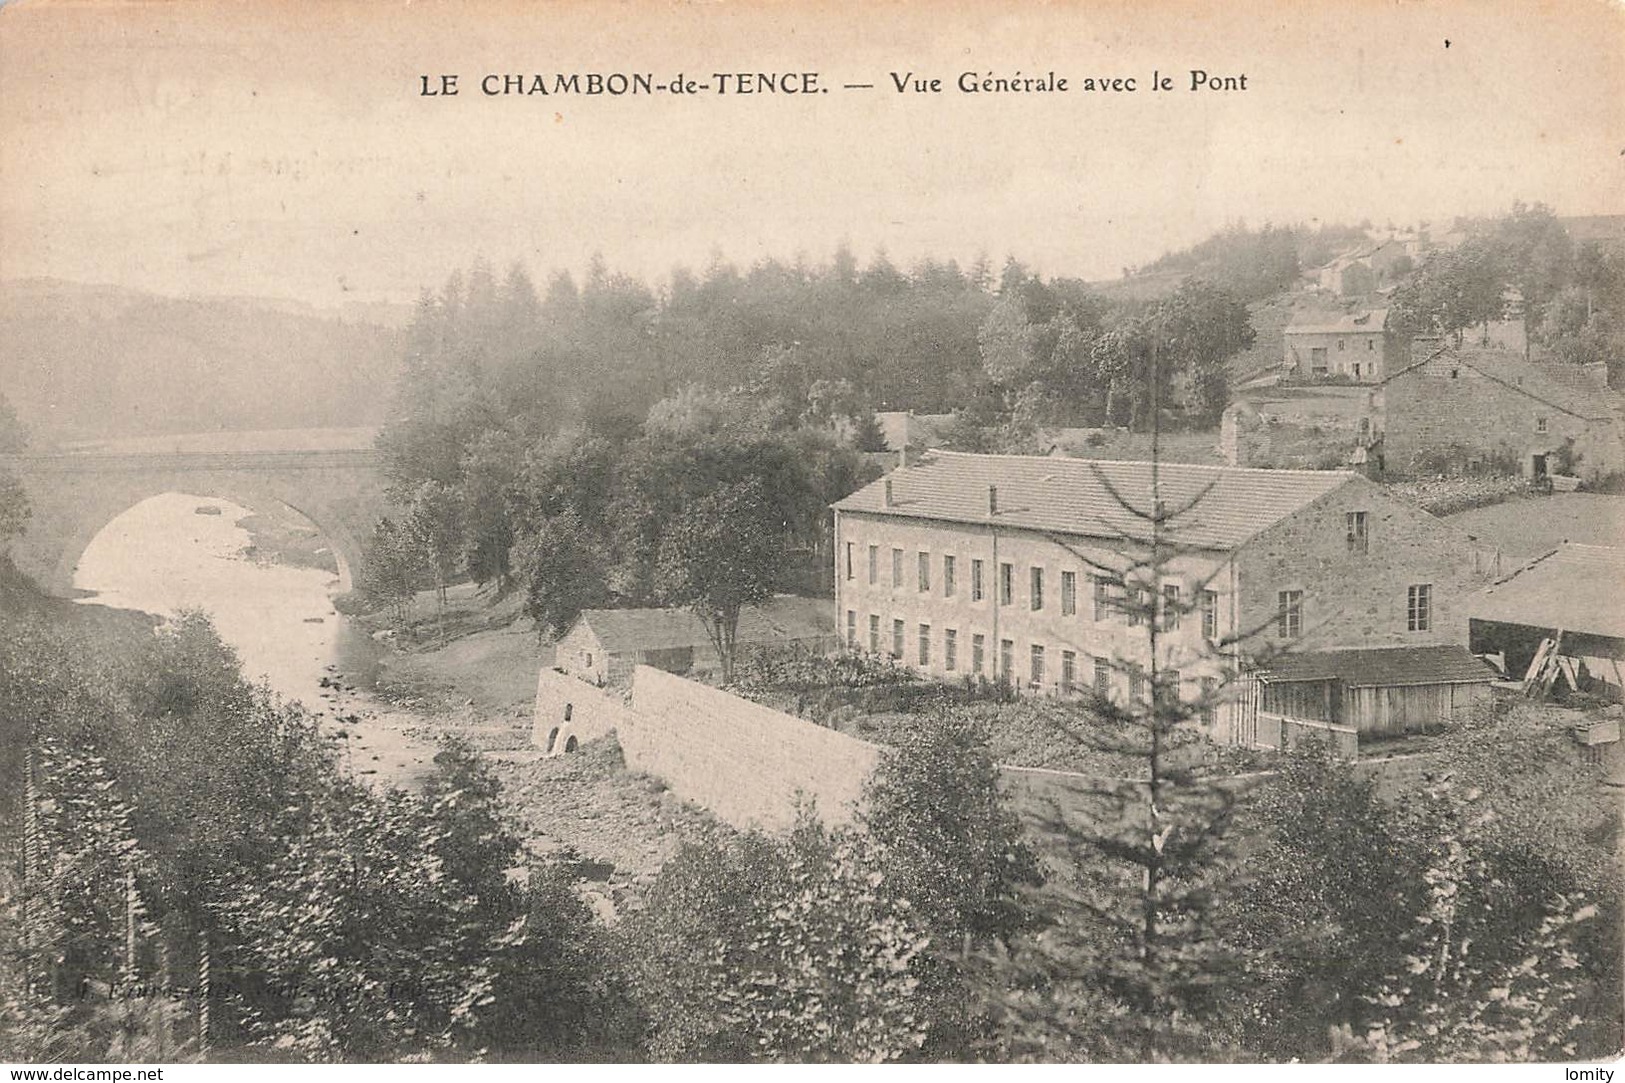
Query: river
x=176 y=551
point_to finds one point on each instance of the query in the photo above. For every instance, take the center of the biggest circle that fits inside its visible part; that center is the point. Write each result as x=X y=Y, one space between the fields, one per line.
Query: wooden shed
x=1380 y=691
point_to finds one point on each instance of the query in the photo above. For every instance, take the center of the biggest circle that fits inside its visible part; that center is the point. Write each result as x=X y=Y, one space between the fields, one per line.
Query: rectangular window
x=950 y=649
x=947 y=577
x=1069 y=670
x=1171 y=680
x=978 y=653
x=925 y=573
x=1209 y=707
x=1007 y=583
x=1370 y=344
x=1358 y=538
x=874 y=633
x=849 y=572
x=1210 y=615
x=977 y=593
x=1069 y=593
x=874 y=564
x=897 y=639
x=1140 y=607
x=1136 y=682
x=925 y=644
x=1419 y=607
x=1289 y=614
x=1036 y=666
x=1007 y=657
x=1540 y=424
x=1171 y=606
x=1037 y=591
x=1103 y=597
x=896 y=567
x=851 y=628
x=1103 y=678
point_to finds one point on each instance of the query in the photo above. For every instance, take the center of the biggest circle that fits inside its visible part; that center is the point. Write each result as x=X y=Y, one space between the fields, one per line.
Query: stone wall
x=744 y=762
x=1443 y=405
x=1359 y=599
x=568 y=708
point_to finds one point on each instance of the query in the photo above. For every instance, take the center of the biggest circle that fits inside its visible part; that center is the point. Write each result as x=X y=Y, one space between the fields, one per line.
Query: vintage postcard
x=660 y=532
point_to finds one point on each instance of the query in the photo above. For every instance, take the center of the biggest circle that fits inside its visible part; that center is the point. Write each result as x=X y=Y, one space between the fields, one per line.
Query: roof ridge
x=1218 y=467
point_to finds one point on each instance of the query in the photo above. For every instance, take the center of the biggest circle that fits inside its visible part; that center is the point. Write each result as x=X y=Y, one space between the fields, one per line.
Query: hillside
x=97 y=361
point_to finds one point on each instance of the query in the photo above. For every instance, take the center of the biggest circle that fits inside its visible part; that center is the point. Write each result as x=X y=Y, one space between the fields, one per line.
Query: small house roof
x=1347 y=323
x=1577 y=588
x=1381 y=667
x=1210 y=507
x=784 y=619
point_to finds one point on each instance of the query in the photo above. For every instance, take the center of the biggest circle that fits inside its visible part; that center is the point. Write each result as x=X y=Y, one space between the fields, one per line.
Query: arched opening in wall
x=552 y=739
x=568 y=708
x=570 y=743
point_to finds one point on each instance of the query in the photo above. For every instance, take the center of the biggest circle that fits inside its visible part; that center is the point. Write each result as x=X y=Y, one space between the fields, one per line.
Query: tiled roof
x=785 y=619
x=1578 y=588
x=1348 y=323
x=1562 y=387
x=1212 y=507
x=1381 y=667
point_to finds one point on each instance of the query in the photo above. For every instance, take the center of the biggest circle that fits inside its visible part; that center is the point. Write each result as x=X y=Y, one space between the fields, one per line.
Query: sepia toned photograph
x=667 y=532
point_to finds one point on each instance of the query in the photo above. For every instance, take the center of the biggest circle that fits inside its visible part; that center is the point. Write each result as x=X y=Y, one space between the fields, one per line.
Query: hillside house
x=1574 y=595
x=1355 y=345
x=603 y=646
x=1483 y=406
x=1017 y=567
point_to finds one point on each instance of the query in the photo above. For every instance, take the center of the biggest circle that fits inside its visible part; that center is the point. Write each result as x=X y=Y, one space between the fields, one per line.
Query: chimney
x=889 y=502
x=993 y=500
x=902 y=456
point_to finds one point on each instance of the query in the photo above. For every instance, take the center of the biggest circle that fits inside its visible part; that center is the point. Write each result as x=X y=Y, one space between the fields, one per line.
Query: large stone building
x=1491 y=409
x=1017 y=567
x=1355 y=345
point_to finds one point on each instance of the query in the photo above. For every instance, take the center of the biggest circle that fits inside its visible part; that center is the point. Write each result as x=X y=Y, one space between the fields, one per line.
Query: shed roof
x=1211 y=507
x=1381 y=667
x=784 y=619
x=1578 y=588
x=1347 y=323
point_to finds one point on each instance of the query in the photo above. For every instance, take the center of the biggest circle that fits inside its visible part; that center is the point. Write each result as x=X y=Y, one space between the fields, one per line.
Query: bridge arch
x=73 y=497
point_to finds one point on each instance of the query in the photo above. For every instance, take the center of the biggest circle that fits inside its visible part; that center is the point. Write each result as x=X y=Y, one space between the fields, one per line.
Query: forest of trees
x=1572 y=296
x=563 y=441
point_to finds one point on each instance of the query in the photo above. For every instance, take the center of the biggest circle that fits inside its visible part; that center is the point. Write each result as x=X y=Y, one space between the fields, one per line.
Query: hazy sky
x=283 y=148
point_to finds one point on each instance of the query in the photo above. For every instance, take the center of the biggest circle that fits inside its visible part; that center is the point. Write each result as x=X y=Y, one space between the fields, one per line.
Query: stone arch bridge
x=74 y=494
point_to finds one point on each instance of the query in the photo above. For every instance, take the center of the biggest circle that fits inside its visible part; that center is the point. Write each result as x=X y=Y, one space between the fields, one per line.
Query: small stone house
x=1487 y=405
x=1354 y=345
x=603 y=646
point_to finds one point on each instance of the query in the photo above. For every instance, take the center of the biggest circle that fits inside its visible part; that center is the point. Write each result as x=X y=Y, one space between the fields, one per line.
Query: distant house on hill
x=604 y=645
x=1574 y=595
x=1485 y=405
x=1357 y=345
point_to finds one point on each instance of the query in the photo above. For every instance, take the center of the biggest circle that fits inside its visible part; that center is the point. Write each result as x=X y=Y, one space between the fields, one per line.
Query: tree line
x=562 y=441
x=1571 y=297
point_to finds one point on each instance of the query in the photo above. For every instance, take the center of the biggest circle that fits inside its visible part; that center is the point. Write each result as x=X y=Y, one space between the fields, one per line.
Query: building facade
x=1033 y=570
x=1357 y=346
x=1496 y=409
